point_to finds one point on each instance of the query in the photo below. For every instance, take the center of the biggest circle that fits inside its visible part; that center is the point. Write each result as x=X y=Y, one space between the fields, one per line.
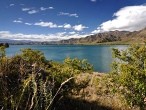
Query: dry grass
x=91 y=96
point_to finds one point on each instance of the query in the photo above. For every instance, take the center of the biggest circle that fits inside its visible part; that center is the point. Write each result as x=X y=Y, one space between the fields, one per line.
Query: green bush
x=29 y=80
x=129 y=74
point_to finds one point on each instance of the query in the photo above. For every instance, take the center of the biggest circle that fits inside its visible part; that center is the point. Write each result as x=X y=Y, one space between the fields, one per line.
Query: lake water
x=100 y=56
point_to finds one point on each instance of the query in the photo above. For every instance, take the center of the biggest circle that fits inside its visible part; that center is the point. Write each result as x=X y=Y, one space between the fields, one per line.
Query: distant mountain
x=111 y=37
x=20 y=42
x=14 y=41
x=6 y=41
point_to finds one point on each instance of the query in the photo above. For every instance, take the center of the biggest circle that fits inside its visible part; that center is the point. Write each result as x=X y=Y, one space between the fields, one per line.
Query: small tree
x=2 y=51
x=130 y=72
x=33 y=56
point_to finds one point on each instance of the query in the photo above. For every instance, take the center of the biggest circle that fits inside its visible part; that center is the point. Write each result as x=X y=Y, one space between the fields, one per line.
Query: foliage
x=77 y=64
x=29 y=80
x=129 y=74
x=33 y=56
x=6 y=45
x=2 y=51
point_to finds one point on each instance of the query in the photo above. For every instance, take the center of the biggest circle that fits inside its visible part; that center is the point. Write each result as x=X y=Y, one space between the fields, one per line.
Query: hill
x=111 y=37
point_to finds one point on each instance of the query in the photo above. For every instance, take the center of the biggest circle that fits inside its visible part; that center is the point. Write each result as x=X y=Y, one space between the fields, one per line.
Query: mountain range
x=111 y=37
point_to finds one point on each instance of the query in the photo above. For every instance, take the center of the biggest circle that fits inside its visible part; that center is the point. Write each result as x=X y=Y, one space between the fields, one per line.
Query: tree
x=4 y=44
x=129 y=70
x=33 y=56
x=2 y=51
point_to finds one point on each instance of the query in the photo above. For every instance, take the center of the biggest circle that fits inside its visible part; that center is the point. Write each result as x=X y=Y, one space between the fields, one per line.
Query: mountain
x=111 y=37
x=21 y=42
x=14 y=41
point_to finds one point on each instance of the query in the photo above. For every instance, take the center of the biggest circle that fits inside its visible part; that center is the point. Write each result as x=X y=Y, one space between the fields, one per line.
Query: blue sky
x=49 y=20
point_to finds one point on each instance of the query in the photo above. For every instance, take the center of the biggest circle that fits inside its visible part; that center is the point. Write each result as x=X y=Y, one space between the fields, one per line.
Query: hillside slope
x=111 y=37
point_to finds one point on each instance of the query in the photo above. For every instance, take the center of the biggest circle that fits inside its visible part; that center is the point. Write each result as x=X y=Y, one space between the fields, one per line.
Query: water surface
x=100 y=56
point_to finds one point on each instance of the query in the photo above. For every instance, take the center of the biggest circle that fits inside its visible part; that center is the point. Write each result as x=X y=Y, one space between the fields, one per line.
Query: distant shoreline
x=98 y=44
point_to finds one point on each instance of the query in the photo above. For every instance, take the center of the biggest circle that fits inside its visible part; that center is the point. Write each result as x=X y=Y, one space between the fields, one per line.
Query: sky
x=53 y=20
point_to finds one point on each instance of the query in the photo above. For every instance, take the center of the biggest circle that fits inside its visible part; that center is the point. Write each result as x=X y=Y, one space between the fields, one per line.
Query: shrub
x=29 y=80
x=129 y=74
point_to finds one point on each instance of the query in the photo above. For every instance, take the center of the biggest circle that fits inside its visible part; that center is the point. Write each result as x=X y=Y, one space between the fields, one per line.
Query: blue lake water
x=100 y=56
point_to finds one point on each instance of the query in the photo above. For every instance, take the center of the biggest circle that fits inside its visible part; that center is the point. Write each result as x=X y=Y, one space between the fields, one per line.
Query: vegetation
x=30 y=82
x=4 y=44
x=126 y=84
x=129 y=73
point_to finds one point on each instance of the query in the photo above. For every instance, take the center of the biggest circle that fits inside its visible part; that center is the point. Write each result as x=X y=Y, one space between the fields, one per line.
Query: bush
x=29 y=80
x=129 y=74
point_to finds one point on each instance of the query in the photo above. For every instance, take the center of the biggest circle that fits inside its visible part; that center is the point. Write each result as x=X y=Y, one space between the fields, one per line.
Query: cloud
x=46 y=24
x=60 y=26
x=43 y=8
x=95 y=31
x=79 y=27
x=73 y=32
x=17 y=21
x=32 y=11
x=67 y=26
x=68 y=14
x=28 y=24
x=26 y=9
x=129 y=18
x=11 y=5
x=51 y=7
x=39 y=37
x=93 y=0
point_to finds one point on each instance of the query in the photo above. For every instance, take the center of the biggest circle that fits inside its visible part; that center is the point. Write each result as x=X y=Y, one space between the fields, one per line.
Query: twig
x=58 y=91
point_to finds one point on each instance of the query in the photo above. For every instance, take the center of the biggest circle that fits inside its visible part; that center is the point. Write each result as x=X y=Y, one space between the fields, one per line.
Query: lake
x=100 y=56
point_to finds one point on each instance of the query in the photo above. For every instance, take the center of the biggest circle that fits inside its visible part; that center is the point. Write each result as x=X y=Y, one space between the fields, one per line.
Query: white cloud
x=46 y=24
x=28 y=24
x=68 y=14
x=93 y=0
x=32 y=37
x=74 y=15
x=79 y=27
x=60 y=26
x=51 y=7
x=17 y=21
x=26 y=9
x=67 y=26
x=95 y=31
x=38 y=37
x=130 y=18
x=11 y=5
x=32 y=11
x=73 y=32
x=76 y=35
x=43 y=8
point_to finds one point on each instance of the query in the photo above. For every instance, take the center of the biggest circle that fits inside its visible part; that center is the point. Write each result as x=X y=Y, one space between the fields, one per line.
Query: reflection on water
x=99 y=56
